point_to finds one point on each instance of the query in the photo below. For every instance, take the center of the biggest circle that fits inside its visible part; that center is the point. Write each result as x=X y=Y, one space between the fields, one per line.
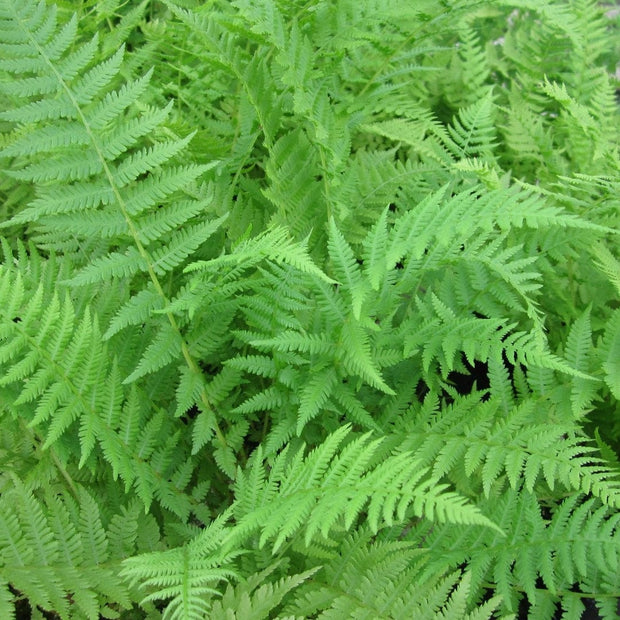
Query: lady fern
x=308 y=309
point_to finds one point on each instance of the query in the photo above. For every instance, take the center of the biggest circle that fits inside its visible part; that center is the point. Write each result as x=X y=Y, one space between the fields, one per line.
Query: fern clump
x=309 y=309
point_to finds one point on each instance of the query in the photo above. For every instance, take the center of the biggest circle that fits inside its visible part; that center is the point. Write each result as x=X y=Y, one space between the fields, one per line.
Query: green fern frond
x=257 y=597
x=383 y=579
x=261 y=365
x=490 y=444
x=474 y=66
x=473 y=130
x=346 y=268
x=185 y=577
x=293 y=188
x=608 y=264
x=578 y=112
x=274 y=245
x=126 y=176
x=56 y=553
x=563 y=551
x=579 y=354
x=322 y=489
x=375 y=249
x=294 y=341
x=314 y=396
x=62 y=381
x=357 y=357
x=611 y=353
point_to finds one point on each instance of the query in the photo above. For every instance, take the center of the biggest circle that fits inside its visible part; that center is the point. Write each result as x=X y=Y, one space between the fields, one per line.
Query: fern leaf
x=412 y=233
x=274 y=245
x=473 y=130
x=314 y=396
x=384 y=578
x=134 y=312
x=265 y=400
x=558 y=551
x=375 y=248
x=334 y=304
x=611 y=354
x=257 y=597
x=113 y=265
x=320 y=489
x=261 y=365
x=578 y=112
x=68 y=579
x=186 y=577
x=494 y=447
x=346 y=269
x=181 y=244
x=607 y=263
x=293 y=188
x=294 y=341
x=357 y=357
x=474 y=65
x=61 y=376
x=578 y=354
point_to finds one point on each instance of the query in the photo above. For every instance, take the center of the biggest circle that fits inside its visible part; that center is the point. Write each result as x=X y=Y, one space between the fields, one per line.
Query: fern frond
x=578 y=354
x=357 y=357
x=611 y=353
x=257 y=597
x=62 y=381
x=578 y=112
x=608 y=264
x=375 y=248
x=474 y=65
x=346 y=268
x=293 y=189
x=491 y=445
x=473 y=131
x=122 y=179
x=384 y=579
x=563 y=551
x=274 y=245
x=186 y=577
x=316 y=492
x=314 y=396
x=56 y=553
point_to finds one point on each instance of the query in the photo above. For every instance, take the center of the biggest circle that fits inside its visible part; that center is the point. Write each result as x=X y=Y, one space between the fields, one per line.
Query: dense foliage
x=309 y=309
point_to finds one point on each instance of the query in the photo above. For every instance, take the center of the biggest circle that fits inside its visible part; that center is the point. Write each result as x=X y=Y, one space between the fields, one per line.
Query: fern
x=377 y=580
x=308 y=309
x=56 y=552
x=561 y=560
x=347 y=483
x=185 y=575
x=253 y=600
x=64 y=381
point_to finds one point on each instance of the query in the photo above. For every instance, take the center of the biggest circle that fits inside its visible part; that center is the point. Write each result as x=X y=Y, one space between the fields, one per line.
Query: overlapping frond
x=308 y=309
x=60 y=378
x=384 y=579
x=542 y=556
x=330 y=486
x=57 y=553
x=186 y=577
x=496 y=448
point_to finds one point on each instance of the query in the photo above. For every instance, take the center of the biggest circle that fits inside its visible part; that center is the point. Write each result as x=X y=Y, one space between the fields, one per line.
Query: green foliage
x=309 y=309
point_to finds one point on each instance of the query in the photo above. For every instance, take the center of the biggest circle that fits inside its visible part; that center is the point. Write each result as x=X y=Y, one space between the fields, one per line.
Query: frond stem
x=59 y=466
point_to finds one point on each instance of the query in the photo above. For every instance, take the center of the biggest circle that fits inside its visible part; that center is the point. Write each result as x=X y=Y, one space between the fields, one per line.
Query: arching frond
x=309 y=309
